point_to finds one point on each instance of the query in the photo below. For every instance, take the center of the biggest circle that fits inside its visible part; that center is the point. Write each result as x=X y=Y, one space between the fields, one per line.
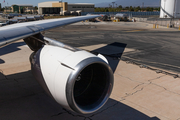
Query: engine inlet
x=89 y=87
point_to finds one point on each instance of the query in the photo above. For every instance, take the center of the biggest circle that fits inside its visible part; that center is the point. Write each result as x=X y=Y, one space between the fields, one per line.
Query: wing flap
x=35 y=28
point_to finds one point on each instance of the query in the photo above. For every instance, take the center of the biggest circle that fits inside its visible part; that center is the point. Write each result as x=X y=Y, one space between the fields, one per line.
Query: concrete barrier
x=167 y=22
x=154 y=26
x=117 y=20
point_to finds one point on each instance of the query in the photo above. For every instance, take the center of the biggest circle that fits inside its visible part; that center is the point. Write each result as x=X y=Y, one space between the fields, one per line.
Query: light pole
x=142 y=6
x=113 y=6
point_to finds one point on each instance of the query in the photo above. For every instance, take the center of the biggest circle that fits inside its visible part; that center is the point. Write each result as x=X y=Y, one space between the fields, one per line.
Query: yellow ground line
x=134 y=31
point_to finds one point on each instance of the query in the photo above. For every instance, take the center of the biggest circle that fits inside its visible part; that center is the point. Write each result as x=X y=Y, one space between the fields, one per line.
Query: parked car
x=2 y=24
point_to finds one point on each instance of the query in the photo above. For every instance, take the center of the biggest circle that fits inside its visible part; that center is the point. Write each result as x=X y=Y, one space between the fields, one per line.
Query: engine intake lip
x=109 y=80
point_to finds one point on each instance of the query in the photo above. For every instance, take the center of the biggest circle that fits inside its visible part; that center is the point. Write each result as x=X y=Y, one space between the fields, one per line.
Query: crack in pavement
x=1 y=71
x=147 y=84
x=14 y=99
x=58 y=114
x=86 y=118
x=70 y=113
x=81 y=116
x=20 y=86
x=138 y=86
x=134 y=92
x=32 y=93
x=16 y=80
x=131 y=94
x=129 y=78
x=141 y=83
x=150 y=82
x=156 y=78
x=106 y=109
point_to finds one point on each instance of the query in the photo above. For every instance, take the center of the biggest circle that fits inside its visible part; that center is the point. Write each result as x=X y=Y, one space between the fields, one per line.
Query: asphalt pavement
x=153 y=47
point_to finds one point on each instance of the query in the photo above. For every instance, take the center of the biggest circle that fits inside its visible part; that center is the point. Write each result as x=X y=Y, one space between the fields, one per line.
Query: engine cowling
x=77 y=80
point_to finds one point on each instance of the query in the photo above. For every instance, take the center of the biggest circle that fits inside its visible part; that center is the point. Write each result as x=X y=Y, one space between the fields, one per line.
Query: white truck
x=2 y=24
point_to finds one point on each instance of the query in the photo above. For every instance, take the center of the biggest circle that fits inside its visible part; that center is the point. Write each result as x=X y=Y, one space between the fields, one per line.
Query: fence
x=167 y=22
x=128 y=13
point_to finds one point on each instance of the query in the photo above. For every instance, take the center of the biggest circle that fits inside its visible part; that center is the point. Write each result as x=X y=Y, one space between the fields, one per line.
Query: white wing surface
x=18 y=31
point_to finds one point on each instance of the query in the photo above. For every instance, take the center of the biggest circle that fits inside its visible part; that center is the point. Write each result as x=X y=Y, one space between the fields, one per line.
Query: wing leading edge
x=15 y=32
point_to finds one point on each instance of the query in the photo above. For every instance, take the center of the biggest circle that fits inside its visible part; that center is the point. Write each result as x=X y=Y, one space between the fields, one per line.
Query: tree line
x=122 y=9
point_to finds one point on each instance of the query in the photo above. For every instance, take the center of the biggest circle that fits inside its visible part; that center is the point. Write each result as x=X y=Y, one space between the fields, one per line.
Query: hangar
x=58 y=7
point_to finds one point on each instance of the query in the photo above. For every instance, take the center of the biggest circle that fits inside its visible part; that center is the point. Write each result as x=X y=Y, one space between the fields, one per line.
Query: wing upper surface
x=22 y=30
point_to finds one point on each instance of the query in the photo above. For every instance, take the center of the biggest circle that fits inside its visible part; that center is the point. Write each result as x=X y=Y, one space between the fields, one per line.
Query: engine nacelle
x=77 y=80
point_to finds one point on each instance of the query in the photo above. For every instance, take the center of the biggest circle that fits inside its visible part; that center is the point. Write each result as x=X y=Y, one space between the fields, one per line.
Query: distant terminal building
x=20 y=8
x=84 y=7
x=57 y=7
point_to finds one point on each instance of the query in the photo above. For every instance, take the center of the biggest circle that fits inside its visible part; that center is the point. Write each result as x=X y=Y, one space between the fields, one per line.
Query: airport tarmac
x=139 y=93
x=156 y=47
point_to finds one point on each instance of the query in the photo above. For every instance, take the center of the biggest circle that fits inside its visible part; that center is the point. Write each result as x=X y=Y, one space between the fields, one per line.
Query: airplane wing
x=78 y=80
x=15 y=32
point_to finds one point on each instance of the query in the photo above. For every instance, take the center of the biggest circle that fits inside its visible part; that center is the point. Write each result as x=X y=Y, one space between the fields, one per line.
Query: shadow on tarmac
x=9 y=49
x=21 y=97
x=112 y=52
x=2 y=61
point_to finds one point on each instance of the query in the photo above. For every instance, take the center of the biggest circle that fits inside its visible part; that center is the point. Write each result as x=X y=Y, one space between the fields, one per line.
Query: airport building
x=57 y=7
x=20 y=8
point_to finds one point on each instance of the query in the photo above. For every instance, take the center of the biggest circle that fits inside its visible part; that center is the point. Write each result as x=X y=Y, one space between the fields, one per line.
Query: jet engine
x=76 y=79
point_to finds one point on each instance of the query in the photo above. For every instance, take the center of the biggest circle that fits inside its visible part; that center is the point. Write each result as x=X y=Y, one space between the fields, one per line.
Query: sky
x=35 y=2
